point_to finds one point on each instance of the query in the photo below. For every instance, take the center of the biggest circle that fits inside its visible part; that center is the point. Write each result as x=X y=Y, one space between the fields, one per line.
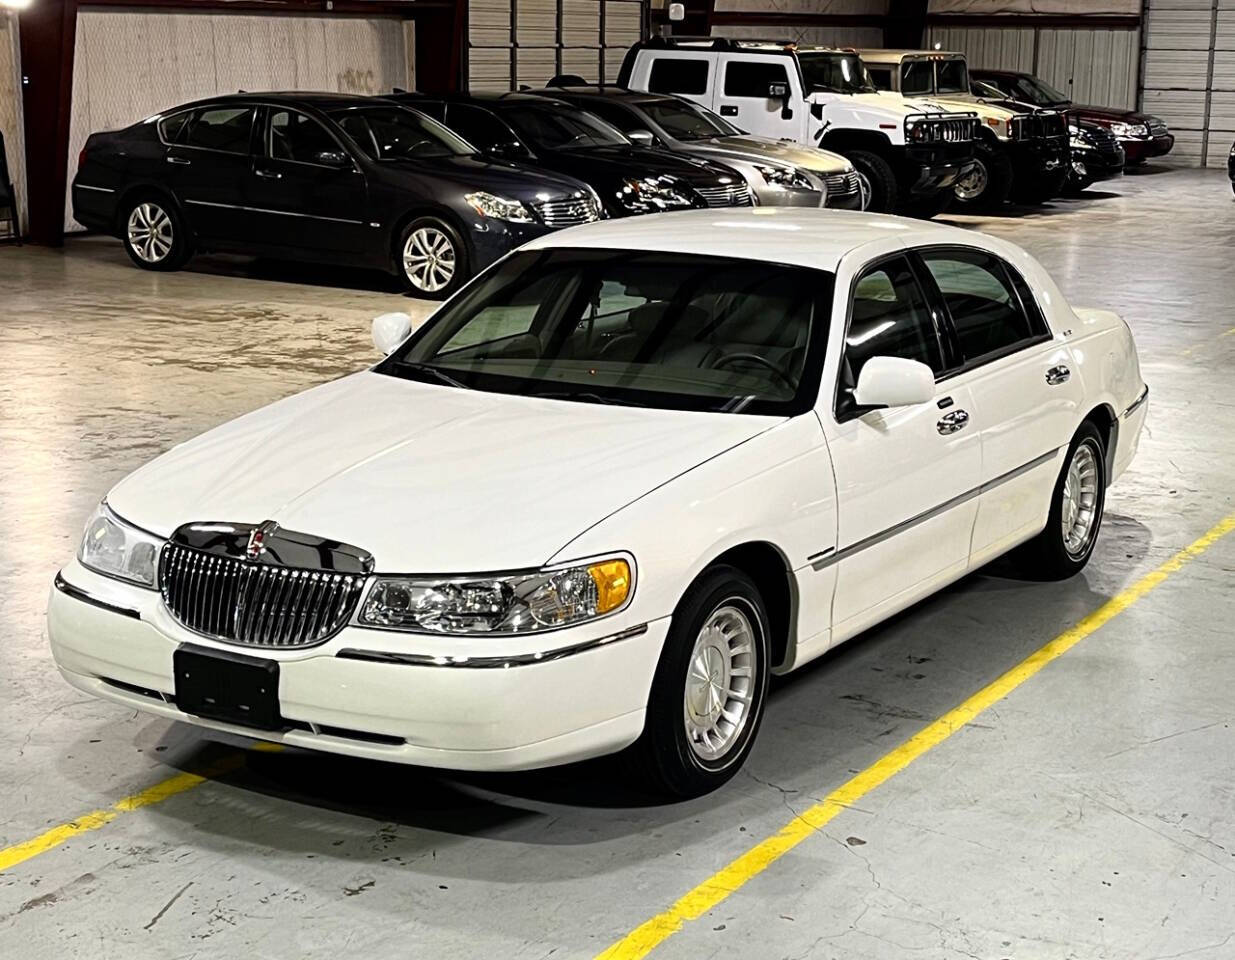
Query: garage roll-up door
x=202 y=55
x=1175 y=81
x=513 y=43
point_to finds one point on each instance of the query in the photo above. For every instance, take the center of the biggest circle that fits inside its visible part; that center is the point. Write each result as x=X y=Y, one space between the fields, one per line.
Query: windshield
x=551 y=127
x=673 y=331
x=1040 y=94
x=951 y=76
x=392 y=133
x=927 y=76
x=835 y=72
x=685 y=121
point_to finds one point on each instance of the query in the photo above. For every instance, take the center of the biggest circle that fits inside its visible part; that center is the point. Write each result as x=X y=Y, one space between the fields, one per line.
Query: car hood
x=429 y=479
x=892 y=102
x=1106 y=114
x=762 y=148
x=495 y=176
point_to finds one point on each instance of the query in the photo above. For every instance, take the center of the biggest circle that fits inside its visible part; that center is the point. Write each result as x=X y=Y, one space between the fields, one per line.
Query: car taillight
x=81 y=158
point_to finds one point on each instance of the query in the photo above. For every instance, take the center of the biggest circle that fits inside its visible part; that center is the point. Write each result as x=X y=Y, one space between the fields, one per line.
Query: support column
x=48 y=31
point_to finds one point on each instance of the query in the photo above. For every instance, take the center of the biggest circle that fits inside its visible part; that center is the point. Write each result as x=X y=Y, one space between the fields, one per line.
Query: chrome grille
x=1102 y=139
x=1156 y=127
x=1038 y=126
x=729 y=195
x=940 y=129
x=842 y=184
x=568 y=213
x=260 y=605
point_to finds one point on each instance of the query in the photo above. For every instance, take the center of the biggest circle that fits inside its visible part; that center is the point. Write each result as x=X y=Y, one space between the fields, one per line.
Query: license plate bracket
x=226 y=686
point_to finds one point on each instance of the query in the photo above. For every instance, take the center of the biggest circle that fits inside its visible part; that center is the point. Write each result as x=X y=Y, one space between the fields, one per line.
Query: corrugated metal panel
x=10 y=109
x=1175 y=78
x=1224 y=70
x=489 y=23
x=488 y=68
x=1187 y=149
x=867 y=37
x=201 y=55
x=536 y=66
x=1091 y=66
x=993 y=48
x=583 y=62
x=1178 y=29
x=1181 y=109
x=623 y=23
x=580 y=24
x=537 y=24
x=1175 y=69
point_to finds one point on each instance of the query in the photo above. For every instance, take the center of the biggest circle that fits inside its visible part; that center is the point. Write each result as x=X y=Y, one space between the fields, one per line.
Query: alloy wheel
x=429 y=259
x=720 y=682
x=150 y=232
x=1078 y=513
x=974 y=183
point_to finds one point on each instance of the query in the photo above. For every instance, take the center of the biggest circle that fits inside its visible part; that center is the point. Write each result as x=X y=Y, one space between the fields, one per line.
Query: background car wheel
x=155 y=236
x=710 y=686
x=431 y=258
x=929 y=207
x=1077 y=504
x=876 y=180
x=988 y=182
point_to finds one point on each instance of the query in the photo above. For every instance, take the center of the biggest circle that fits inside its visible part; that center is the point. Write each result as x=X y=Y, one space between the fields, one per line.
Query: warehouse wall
x=1091 y=65
x=10 y=107
x=831 y=35
x=201 y=55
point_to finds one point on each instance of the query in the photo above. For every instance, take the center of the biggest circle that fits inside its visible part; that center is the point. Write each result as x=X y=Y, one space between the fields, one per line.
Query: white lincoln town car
x=610 y=487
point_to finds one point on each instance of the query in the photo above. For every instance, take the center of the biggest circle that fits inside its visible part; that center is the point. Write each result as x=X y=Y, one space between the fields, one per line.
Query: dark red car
x=1140 y=135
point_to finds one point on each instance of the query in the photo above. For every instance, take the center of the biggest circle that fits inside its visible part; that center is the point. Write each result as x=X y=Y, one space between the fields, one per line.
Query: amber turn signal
x=612 y=579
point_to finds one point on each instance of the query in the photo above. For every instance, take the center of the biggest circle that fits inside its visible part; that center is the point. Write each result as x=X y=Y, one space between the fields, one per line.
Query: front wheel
x=876 y=180
x=431 y=259
x=988 y=181
x=1077 y=504
x=708 y=694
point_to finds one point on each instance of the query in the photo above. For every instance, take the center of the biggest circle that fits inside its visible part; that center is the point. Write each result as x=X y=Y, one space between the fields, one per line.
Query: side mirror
x=333 y=158
x=512 y=150
x=390 y=330
x=642 y=138
x=780 y=91
x=894 y=382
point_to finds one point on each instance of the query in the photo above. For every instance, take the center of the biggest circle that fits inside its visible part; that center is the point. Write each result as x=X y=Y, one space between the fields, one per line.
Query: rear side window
x=170 y=128
x=881 y=77
x=478 y=127
x=226 y=129
x=678 y=75
x=889 y=318
x=746 y=78
x=613 y=113
x=985 y=307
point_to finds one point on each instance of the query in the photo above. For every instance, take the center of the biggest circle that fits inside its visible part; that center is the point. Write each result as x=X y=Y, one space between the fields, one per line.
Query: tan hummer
x=1021 y=152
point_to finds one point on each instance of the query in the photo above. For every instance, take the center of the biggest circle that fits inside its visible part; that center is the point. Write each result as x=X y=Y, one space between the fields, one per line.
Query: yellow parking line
x=645 y=938
x=50 y=839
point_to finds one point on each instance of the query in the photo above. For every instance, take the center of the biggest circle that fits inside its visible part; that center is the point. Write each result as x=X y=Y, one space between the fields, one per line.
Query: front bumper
x=1138 y=150
x=1098 y=164
x=493 y=239
x=767 y=197
x=927 y=170
x=117 y=642
x=1038 y=160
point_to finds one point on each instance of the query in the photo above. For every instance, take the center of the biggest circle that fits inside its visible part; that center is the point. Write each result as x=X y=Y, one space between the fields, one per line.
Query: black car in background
x=321 y=177
x=1095 y=154
x=556 y=136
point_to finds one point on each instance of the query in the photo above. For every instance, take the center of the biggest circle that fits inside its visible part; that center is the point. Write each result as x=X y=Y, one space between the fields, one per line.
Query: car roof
x=481 y=97
x=885 y=54
x=609 y=92
x=804 y=237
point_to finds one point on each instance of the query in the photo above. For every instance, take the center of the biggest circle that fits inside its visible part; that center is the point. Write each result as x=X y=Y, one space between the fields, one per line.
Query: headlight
x=499 y=208
x=1127 y=130
x=114 y=548
x=515 y=603
x=785 y=178
x=652 y=194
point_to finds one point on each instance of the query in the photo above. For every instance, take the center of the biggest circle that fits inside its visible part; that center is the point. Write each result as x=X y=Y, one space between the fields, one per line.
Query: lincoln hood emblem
x=257 y=539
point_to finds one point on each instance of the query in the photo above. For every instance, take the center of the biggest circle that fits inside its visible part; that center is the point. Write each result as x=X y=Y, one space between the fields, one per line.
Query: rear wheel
x=988 y=181
x=431 y=259
x=708 y=694
x=877 y=181
x=1077 y=503
x=155 y=236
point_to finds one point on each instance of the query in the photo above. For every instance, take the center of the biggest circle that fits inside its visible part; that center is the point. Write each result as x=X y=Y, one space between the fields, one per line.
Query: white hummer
x=1021 y=151
x=910 y=153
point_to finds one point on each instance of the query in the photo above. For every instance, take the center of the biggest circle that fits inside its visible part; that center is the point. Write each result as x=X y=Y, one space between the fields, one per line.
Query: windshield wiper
x=587 y=397
x=433 y=372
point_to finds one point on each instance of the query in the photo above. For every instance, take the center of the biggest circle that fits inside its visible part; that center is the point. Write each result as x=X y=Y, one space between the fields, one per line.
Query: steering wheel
x=755 y=358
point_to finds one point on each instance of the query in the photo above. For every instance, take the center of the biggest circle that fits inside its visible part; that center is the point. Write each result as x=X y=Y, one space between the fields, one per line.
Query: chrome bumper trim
x=489 y=663
x=77 y=593
x=1139 y=401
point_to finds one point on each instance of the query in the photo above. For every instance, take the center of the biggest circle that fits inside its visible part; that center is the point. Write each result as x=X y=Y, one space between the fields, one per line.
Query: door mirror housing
x=390 y=330
x=894 y=382
x=333 y=158
x=642 y=138
x=510 y=150
x=780 y=91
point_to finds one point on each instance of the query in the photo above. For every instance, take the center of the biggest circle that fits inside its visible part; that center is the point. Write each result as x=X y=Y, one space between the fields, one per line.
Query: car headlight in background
x=784 y=178
x=513 y=603
x=116 y=549
x=1128 y=130
x=652 y=194
x=499 y=208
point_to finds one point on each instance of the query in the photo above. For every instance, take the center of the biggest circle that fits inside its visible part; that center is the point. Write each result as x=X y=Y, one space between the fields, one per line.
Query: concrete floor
x=1089 y=815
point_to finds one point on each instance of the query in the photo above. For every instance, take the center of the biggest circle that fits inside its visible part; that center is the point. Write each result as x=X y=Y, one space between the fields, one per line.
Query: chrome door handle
x=180 y=161
x=1057 y=375
x=952 y=422
x=269 y=174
